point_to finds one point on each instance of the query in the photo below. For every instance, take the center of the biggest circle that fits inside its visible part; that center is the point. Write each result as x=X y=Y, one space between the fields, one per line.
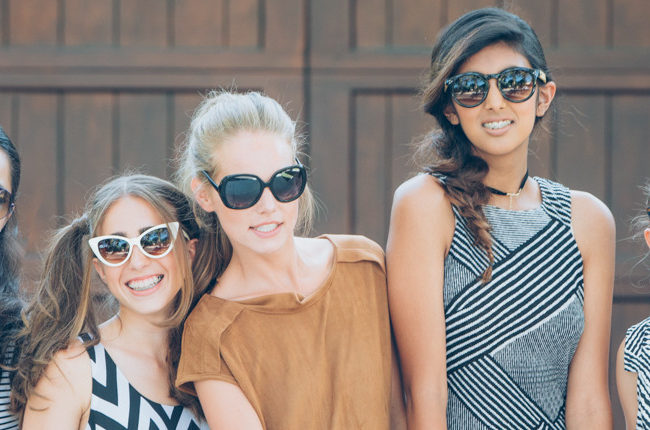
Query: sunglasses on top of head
x=243 y=190
x=516 y=84
x=155 y=242
x=6 y=203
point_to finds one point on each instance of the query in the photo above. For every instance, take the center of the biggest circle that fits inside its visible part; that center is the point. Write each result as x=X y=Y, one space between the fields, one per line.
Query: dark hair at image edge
x=446 y=150
x=62 y=307
x=10 y=258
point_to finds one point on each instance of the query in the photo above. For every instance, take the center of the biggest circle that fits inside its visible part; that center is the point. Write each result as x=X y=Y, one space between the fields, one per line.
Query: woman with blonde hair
x=139 y=234
x=295 y=334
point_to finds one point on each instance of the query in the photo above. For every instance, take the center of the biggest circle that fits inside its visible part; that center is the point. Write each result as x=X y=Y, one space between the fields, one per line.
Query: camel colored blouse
x=317 y=362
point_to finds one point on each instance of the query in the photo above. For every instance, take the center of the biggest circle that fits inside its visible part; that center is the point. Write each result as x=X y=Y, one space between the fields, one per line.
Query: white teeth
x=144 y=284
x=266 y=227
x=494 y=125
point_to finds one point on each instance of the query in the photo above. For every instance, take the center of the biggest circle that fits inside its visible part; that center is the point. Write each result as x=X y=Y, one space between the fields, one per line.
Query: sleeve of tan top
x=201 y=357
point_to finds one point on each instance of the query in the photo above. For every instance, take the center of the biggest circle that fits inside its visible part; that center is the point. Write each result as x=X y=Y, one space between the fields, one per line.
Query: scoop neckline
x=288 y=302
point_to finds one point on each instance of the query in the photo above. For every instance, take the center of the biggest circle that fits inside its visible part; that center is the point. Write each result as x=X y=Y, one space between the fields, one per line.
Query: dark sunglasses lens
x=288 y=184
x=157 y=241
x=469 y=90
x=241 y=192
x=517 y=85
x=113 y=250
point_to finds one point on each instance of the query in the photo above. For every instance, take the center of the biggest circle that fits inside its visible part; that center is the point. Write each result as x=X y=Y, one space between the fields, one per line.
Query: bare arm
x=626 y=384
x=225 y=406
x=421 y=228
x=588 y=404
x=397 y=412
x=63 y=393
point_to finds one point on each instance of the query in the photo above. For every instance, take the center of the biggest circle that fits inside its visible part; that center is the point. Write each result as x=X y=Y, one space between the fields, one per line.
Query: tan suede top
x=321 y=362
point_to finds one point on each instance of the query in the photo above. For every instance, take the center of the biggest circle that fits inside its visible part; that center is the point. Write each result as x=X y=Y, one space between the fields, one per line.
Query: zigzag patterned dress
x=636 y=358
x=510 y=341
x=116 y=405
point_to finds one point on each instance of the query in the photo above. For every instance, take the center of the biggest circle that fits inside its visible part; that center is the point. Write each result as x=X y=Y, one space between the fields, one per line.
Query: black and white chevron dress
x=636 y=358
x=7 y=419
x=116 y=405
x=510 y=341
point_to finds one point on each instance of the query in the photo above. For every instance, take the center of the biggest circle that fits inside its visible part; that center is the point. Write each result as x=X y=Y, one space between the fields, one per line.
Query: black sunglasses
x=516 y=84
x=6 y=203
x=243 y=190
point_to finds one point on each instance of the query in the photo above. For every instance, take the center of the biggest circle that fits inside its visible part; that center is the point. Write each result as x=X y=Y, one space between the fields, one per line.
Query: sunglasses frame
x=12 y=205
x=225 y=179
x=538 y=74
x=173 y=227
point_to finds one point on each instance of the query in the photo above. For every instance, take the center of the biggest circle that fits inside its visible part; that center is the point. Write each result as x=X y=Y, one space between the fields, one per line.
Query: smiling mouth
x=496 y=125
x=144 y=284
x=265 y=228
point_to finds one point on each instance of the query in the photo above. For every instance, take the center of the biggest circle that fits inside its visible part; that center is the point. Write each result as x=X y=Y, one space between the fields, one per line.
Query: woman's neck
x=129 y=331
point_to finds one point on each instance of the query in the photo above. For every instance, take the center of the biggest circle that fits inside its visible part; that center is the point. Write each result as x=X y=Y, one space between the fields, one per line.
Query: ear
x=546 y=94
x=191 y=248
x=451 y=115
x=202 y=194
x=646 y=234
x=99 y=268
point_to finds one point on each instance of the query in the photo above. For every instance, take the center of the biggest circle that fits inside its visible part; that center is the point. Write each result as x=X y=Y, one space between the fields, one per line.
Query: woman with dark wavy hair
x=500 y=284
x=10 y=256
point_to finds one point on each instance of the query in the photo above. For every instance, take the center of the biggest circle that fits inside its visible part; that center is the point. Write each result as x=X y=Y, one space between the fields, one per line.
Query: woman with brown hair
x=500 y=284
x=139 y=234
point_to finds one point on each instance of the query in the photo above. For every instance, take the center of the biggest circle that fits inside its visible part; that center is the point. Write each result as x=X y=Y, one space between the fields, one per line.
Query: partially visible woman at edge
x=633 y=361
x=500 y=284
x=295 y=334
x=139 y=234
x=10 y=256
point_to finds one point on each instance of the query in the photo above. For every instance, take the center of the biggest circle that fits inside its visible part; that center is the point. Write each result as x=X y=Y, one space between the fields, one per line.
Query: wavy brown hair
x=62 y=307
x=446 y=151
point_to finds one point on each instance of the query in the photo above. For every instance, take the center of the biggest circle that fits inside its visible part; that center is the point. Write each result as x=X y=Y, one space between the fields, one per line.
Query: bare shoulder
x=592 y=220
x=421 y=192
x=68 y=373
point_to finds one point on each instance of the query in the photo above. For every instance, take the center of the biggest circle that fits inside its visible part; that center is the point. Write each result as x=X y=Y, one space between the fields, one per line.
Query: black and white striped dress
x=636 y=358
x=117 y=405
x=510 y=341
x=7 y=419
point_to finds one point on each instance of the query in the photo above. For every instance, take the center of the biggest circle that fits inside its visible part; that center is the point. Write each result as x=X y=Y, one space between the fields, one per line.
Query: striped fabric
x=117 y=405
x=7 y=420
x=510 y=341
x=636 y=359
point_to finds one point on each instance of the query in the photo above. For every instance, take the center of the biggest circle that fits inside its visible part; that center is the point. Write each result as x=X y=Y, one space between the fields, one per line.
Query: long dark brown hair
x=10 y=259
x=446 y=151
x=62 y=307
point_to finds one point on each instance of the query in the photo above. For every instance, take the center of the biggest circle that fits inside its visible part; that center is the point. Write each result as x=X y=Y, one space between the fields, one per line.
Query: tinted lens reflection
x=5 y=202
x=516 y=85
x=470 y=89
x=241 y=192
x=156 y=242
x=288 y=184
x=113 y=250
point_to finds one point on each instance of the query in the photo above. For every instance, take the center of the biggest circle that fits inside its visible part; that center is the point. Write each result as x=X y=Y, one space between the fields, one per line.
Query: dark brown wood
x=583 y=23
x=199 y=23
x=33 y=22
x=143 y=23
x=88 y=23
x=630 y=21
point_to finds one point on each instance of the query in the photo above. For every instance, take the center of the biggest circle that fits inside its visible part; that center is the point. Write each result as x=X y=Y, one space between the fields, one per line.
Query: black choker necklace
x=503 y=193
x=511 y=195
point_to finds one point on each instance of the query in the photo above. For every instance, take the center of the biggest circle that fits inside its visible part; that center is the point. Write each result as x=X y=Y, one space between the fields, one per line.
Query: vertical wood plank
x=88 y=23
x=33 y=22
x=456 y=8
x=369 y=23
x=282 y=25
x=540 y=161
x=88 y=145
x=540 y=16
x=582 y=23
x=38 y=131
x=630 y=23
x=371 y=165
x=581 y=139
x=143 y=133
x=199 y=23
x=415 y=22
x=143 y=23
x=631 y=134
x=409 y=124
x=6 y=114
x=184 y=106
x=244 y=16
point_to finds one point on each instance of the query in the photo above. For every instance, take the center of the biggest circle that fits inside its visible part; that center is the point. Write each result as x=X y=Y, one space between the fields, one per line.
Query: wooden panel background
x=90 y=88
